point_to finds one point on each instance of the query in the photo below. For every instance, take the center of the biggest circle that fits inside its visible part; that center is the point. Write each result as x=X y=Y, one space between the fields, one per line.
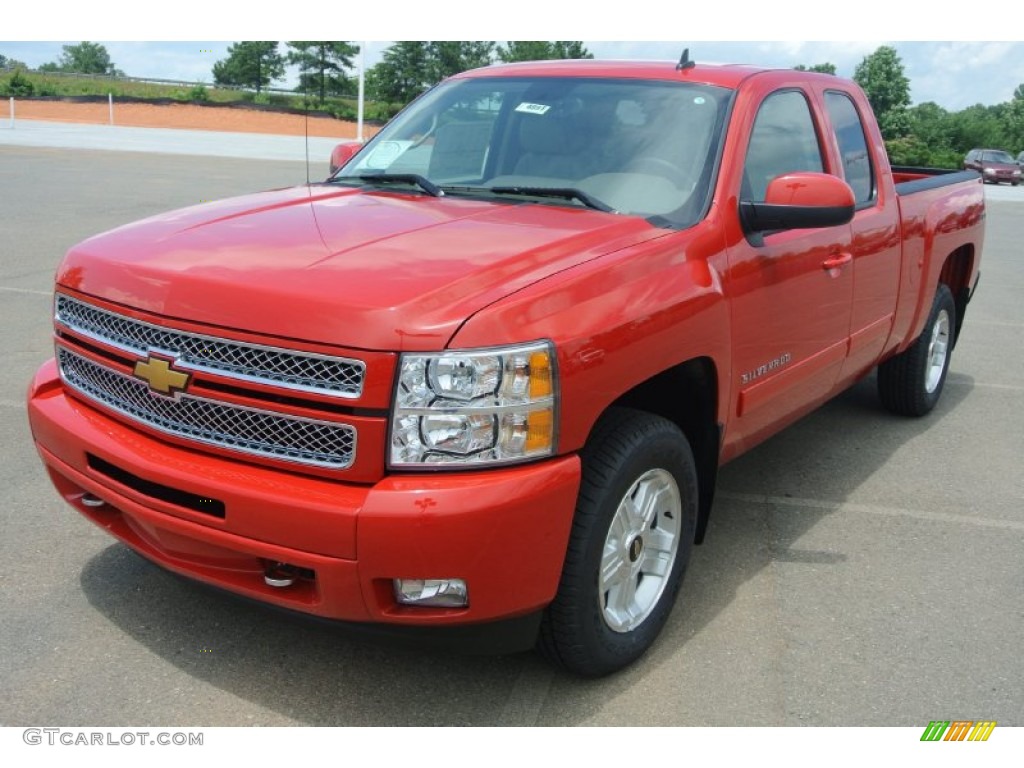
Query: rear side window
x=853 y=146
x=783 y=141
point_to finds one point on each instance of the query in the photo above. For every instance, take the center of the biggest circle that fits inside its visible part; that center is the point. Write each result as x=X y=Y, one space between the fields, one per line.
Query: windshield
x=997 y=157
x=635 y=147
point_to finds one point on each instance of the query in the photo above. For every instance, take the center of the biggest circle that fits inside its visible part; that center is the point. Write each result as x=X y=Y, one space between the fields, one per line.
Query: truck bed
x=941 y=213
x=909 y=180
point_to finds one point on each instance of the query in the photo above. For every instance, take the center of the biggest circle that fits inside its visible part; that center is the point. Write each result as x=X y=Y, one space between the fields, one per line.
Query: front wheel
x=629 y=546
x=911 y=382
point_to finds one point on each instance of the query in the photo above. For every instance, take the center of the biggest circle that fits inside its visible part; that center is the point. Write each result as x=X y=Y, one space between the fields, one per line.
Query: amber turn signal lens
x=539 y=431
x=540 y=375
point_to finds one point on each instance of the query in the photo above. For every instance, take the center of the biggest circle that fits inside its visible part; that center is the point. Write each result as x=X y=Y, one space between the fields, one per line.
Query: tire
x=629 y=546
x=910 y=383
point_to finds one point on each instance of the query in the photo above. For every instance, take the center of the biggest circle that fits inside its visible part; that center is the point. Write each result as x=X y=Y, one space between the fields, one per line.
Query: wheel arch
x=687 y=394
x=956 y=274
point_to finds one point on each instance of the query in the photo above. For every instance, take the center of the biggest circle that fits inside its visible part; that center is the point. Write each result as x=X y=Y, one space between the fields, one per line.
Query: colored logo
x=958 y=730
x=161 y=377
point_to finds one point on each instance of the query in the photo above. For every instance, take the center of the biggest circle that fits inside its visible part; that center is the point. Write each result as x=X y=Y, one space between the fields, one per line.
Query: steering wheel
x=657 y=166
x=429 y=132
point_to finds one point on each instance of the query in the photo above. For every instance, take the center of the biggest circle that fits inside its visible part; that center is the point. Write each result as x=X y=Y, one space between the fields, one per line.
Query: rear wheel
x=911 y=383
x=629 y=547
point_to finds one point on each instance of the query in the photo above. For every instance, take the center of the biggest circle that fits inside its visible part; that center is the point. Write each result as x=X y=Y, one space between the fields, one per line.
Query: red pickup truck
x=477 y=385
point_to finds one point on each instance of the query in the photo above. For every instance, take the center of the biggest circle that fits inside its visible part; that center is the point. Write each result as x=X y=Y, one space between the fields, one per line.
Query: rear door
x=876 y=246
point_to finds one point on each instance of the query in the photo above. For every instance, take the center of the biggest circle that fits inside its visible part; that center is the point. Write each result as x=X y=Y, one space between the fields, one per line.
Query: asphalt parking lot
x=860 y=569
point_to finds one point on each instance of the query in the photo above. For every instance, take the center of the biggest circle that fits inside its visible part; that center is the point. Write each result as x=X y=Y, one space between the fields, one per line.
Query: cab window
x=853 y=147
x=783 y=141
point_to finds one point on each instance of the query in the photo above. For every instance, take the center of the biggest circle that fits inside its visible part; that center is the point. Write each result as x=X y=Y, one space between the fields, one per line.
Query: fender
x=618 y=321
x=936 y=224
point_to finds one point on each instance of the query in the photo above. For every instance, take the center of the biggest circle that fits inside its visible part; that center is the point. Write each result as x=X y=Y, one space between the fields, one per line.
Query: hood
x=353 y=268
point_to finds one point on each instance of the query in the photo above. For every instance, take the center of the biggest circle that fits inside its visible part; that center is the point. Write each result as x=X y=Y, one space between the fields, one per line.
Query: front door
x=790 y=291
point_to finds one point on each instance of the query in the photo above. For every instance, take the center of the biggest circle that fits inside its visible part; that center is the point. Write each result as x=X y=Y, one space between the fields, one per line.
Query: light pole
x=362 y=91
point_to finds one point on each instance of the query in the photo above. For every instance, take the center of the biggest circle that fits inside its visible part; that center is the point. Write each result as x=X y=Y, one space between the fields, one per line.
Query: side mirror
x=342 y=153
x=801 y=200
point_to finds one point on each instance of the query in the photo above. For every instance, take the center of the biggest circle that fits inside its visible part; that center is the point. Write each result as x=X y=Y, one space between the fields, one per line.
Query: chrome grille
x=303 y=371
x=235 y=427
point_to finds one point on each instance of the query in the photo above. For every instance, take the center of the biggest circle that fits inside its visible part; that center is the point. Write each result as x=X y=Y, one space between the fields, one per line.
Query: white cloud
x=958 y=56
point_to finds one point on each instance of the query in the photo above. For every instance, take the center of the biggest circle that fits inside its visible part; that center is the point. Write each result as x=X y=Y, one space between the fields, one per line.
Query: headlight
x=990 y=171
x=472 y=407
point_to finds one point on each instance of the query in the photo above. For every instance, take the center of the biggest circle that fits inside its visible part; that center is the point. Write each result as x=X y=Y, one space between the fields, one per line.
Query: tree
x=881 y=76
x=979 y=126
x=17 y=85
x=524 y=50
x=252 y=64
x=323 y=66
x=449 y=57
x=928 y=141
x=541 y=50
x=409 y=68
x=85 y=58
x=403 y=72
x=570 y=49
x=827 y=68
x=1015 y=123
x=930 y=123
x=6 y=63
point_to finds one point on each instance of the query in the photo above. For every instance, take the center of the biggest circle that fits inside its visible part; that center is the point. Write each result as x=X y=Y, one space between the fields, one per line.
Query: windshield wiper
x=568 y=193
x=403 y=178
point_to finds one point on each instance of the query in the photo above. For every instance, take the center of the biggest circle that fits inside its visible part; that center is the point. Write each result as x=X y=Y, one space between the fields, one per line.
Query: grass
x=61 y=86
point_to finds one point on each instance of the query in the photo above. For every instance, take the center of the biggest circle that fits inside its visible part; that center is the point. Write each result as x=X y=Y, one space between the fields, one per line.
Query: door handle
x=837 y=260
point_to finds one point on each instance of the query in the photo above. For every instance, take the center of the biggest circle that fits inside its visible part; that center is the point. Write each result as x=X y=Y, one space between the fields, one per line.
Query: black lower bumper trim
x=491 y=638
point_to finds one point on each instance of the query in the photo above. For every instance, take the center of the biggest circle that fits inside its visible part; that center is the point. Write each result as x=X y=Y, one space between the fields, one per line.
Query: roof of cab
x=725 y=75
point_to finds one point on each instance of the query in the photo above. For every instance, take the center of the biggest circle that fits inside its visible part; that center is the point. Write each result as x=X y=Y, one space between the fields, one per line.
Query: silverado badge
x=161 y=376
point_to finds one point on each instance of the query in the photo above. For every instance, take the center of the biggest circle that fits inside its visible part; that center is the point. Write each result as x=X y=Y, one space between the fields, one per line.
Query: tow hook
x=280 y=575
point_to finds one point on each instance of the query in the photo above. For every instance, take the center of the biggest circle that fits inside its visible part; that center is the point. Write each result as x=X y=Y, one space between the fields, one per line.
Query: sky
x=953 y=73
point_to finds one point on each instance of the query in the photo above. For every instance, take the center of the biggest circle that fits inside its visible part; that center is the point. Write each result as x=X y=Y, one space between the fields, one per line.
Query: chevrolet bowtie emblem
x=161 y=377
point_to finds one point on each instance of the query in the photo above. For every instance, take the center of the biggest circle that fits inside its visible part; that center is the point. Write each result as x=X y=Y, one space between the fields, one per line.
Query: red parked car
x=994 y=165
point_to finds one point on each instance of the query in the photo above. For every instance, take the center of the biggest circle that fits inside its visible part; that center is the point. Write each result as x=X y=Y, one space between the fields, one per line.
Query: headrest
x=544 y=134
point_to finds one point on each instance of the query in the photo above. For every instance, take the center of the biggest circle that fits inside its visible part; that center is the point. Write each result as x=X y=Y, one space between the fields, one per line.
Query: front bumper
x=503 y=531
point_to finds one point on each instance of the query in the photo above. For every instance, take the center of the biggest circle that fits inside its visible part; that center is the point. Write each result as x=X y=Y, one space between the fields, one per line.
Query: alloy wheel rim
x=640 y=550
x=938 y=349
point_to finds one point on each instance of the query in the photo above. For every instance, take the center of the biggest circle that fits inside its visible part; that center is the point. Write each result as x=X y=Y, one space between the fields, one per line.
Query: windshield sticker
x=385 y=154
x=533 y=109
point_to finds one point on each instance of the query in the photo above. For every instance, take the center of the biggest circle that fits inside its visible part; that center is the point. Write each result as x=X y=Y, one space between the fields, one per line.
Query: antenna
x=684 y=61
